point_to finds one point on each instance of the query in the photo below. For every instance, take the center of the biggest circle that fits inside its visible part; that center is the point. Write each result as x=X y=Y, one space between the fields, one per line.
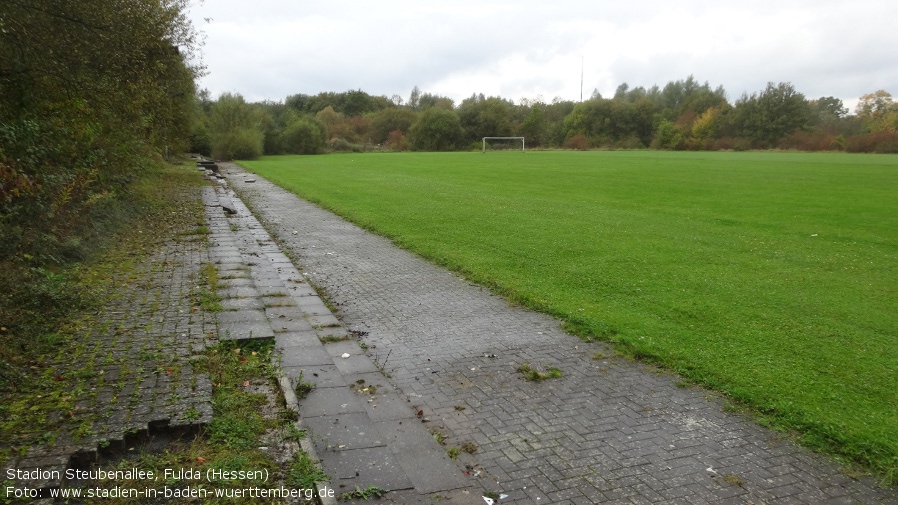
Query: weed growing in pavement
x=303 y=473
x=537 y=374
x=303 y=388
x=333 y=338
x=367 y=493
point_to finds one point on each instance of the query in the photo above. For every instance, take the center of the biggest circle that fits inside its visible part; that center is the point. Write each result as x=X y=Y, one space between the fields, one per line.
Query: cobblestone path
x=129 y=373
x=608 y=431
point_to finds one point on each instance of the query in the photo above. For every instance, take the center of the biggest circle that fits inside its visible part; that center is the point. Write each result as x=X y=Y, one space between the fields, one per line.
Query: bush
x=631 y=142
x=811 y=141
x=885 y=142
x=344 y=146
x=200 y=141
x=396 y=141
x=436 y=130
x=304 y=136
x=242 y=144
x=577 y=142
x=668 y=136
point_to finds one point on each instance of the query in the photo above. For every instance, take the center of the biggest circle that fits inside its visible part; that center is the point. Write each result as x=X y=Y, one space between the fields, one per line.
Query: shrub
x=631 y=142
x=436 y=130
x=304 y=136
x=340 y=145
x=668 y=136
x=238 y=144
x=878 y=142
x=396 y=141
x=577 y=142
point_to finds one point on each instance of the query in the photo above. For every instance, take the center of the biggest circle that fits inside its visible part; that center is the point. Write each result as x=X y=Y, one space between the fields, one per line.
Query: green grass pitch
x=772 y=277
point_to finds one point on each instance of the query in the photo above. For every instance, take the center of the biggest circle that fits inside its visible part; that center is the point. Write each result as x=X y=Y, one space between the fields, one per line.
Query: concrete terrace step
x=364 y=432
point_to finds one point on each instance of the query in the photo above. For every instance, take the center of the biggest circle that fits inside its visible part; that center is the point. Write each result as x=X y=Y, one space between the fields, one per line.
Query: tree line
x=682 y=115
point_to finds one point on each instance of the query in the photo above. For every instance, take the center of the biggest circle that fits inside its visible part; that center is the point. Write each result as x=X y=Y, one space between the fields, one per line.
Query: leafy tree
x=396 y=141
x=437 y=129
x=334 y=122
x=91 y=95
x=304 y=135
x=534 y=126
x=875 y=105
x=771 y=115
x=89 y=92
x=386 y=121
x=668 y=136
x=707 y=125
x=878 y=111
x=235 y=128
x=414 y=99
x=485 y=117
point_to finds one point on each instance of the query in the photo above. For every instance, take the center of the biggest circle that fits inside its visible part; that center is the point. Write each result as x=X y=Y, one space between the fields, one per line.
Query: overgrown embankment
x=93 y=96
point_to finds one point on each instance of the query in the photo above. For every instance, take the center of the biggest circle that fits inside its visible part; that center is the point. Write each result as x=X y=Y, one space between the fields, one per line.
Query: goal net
x=499 y=143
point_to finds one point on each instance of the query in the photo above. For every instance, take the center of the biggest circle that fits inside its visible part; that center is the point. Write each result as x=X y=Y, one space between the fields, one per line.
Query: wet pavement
x=608 y=431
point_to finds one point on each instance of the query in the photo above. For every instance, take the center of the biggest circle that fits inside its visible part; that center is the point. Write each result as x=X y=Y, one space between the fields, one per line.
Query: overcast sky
x=270 y=49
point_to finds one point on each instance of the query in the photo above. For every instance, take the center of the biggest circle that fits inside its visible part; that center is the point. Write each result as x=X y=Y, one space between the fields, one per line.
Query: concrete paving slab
x=355 y=363
x=235 y=282
x=242 y=330
x=375 y=466
x=254 y=303
x=391 y=406
x=424 y=460
x=322 y=376
x=305 y=356
x=284 y=325
x=238 y=292
x=345 y=432
x=330 y=402
x=308 y=338
x=242 y=316
x=323 y=320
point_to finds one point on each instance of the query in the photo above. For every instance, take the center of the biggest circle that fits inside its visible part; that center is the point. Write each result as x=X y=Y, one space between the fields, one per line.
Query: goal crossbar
x=503 y=138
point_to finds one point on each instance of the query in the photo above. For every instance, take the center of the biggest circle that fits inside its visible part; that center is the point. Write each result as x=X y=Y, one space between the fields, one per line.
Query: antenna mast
x=581 y=78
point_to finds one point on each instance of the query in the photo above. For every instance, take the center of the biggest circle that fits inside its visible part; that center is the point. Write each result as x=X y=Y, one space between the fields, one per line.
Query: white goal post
x=503 y=138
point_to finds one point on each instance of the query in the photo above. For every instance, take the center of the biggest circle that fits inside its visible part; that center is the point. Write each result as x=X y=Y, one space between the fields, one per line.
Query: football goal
x=501 y=144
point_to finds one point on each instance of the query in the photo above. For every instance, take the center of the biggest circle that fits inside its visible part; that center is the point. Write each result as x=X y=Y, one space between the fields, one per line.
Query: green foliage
x=668 y=136
x=303 y=473
x=539 y=374
x=237 y=423
x=534 y=126
x=389 y=120
x=485 y=117
x=771 y=115
x=304 y=136
x=367 y=493
x=235 y=129
x=436 y=130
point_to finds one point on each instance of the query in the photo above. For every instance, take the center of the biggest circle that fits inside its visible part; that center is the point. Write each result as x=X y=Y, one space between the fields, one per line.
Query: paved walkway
x=362 y=431
x=608 y=431
x=128 y=375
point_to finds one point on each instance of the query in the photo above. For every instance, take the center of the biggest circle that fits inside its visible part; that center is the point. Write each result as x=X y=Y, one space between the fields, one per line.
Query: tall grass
x=772 y=277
